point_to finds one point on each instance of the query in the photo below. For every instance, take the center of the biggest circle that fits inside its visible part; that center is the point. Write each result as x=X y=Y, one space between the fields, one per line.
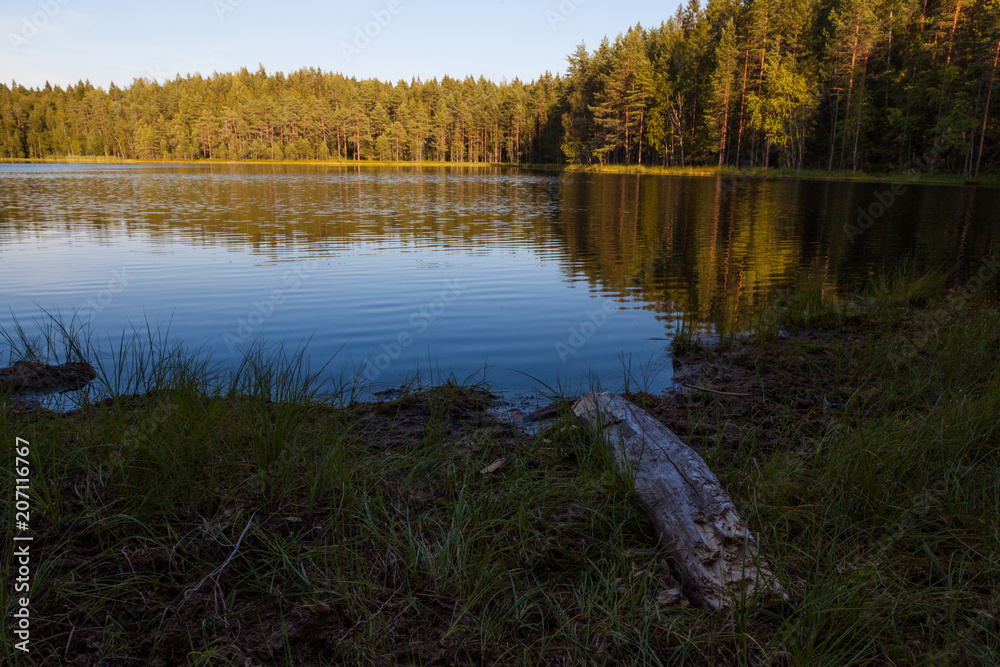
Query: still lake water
x=397 y=272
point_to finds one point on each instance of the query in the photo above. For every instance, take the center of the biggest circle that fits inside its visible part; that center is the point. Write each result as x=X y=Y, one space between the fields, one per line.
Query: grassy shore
x=244 y=518
x=922 y=177
x=103 y=159
x=925 y=178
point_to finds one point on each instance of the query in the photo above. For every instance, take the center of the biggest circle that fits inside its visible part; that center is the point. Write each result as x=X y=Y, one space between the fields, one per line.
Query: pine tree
x=726 y=59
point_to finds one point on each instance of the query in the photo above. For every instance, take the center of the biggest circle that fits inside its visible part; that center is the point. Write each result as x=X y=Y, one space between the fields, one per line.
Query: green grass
x=927 y=178
x=879 y=501
x=369 y=534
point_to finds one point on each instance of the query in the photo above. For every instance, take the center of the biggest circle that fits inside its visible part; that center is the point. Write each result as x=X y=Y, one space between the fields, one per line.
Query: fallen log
x=712 y=553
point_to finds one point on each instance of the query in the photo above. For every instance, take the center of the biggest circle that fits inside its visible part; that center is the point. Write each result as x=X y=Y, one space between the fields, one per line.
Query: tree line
x=822 y=84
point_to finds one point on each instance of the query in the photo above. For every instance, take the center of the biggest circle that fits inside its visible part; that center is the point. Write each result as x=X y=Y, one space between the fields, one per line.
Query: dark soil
x=771 y=395
x=161 y=625
x=26 y=377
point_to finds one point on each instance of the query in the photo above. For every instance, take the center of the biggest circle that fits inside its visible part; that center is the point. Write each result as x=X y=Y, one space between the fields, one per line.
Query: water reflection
x=715 y=248
x=537 y=252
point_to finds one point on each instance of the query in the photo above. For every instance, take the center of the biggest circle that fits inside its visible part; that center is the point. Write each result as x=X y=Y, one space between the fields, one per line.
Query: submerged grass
x=243 y=517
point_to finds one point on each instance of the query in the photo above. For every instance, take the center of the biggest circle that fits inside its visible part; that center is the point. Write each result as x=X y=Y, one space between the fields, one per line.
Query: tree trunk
x=850 y=87
x=860 y=105
x=725 y=117
x=833 y=138
x=743 y=97
x=713 y=554
x=986 y=112
x=954 y=27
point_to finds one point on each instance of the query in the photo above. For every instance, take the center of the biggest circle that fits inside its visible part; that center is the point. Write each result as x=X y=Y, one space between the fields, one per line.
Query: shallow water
x=512 y=276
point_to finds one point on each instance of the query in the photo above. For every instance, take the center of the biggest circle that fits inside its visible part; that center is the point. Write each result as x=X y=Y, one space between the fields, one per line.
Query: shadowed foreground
x=188 y=525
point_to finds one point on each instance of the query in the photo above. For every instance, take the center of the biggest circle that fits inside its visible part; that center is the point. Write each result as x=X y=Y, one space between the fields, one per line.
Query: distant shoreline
x=759 y=173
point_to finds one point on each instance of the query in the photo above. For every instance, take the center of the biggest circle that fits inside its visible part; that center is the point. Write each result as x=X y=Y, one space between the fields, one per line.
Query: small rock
x=547 y=412
x=672 y=597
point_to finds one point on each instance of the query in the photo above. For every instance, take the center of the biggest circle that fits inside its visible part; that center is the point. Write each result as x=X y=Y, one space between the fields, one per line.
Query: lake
x=514 y=276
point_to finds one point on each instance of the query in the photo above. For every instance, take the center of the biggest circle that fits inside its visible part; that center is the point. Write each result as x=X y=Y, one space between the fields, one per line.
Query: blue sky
x=63 y=41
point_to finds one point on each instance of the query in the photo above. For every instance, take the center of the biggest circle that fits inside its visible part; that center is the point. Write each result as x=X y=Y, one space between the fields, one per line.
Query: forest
x=858 y=85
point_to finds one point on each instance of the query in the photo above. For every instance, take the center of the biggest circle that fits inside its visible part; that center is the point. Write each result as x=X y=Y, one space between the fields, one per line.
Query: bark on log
x=713 y=554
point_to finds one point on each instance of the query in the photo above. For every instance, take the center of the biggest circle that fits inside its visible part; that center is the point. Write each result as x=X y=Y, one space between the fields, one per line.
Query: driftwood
x=712 y=553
